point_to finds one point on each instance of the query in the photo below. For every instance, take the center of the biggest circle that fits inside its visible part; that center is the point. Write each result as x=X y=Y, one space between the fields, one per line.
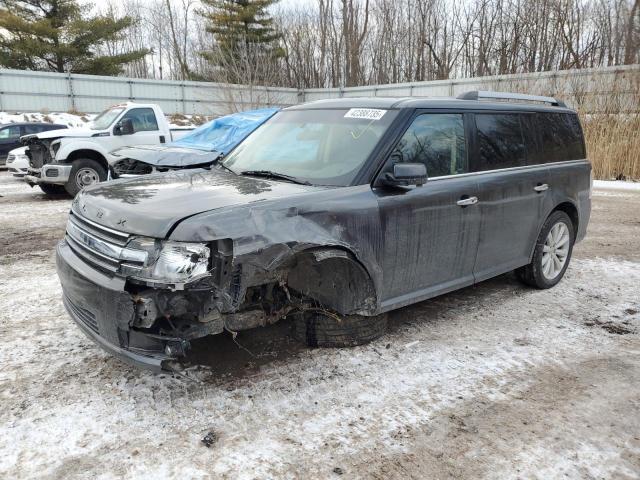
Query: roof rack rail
x=484 y=94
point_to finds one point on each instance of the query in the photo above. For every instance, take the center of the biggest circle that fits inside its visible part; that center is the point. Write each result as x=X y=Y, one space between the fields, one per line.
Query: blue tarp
x=224 y=133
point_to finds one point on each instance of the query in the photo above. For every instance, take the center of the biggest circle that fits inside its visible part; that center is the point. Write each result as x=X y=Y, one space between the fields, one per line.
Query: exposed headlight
x=168 y=261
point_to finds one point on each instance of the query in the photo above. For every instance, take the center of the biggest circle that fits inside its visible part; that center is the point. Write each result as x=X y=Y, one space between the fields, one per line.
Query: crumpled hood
x=151 y=205
x=64 y=132
x=167 y=155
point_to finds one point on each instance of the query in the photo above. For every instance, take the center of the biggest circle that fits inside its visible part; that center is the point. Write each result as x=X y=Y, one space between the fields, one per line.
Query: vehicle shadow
x=226 y=357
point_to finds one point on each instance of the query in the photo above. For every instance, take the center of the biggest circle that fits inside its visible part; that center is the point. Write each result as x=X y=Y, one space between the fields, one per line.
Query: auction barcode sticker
x=365 y=113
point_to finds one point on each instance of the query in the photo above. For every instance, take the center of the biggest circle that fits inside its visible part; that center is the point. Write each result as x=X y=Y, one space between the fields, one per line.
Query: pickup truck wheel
x=84 y=172
x=319 y=329
x=552 y=253
x=52 y=189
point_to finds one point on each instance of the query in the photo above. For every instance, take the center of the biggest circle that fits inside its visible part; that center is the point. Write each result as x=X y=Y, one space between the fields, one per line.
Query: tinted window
x=28 y=129
x=438 y=141
x=10 y=133
x=560 y=138
x=500 y=141
x=144 y=120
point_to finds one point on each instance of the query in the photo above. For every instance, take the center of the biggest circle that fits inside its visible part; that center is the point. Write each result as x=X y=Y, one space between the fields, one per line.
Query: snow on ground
x=69 y=119
x=494 y=381
x=616 y=185
x=79 y=120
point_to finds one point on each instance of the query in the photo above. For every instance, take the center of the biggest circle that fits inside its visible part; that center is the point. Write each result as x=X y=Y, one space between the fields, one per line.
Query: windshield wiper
x=270 y=174
x=222 y=165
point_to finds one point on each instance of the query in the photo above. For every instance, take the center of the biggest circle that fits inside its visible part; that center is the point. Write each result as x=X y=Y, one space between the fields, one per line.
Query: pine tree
x=245 y=37
x=60 y=36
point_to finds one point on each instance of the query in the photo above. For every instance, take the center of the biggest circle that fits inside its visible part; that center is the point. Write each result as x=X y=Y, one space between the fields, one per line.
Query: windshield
x=106 y=118
x=323 y=147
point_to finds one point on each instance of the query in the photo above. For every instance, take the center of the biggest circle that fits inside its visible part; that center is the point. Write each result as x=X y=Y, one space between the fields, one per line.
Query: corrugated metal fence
x=595 y=90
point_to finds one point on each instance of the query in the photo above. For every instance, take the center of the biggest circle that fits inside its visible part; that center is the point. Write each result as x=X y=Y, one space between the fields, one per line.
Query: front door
x=145 y=129
x=430 y=233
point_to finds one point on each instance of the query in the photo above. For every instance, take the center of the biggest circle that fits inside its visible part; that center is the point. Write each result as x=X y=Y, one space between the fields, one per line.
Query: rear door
x=511 y=191
x=429 y=233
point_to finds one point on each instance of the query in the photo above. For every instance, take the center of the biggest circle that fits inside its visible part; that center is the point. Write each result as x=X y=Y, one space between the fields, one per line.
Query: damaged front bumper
x=49 y=173
x=105 y=312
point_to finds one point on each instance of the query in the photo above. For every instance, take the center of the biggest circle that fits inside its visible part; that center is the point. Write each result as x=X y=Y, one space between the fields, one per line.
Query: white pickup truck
x=71 y=159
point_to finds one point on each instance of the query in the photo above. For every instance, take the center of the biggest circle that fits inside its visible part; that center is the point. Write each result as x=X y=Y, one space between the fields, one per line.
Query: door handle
x=463 y=202
x=541 y=188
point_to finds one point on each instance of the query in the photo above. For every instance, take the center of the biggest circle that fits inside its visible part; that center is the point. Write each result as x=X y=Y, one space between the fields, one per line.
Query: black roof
x=20 y=124
x=390 y=103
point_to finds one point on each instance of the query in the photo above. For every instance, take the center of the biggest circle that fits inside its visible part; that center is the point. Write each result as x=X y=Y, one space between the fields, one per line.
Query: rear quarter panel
x=571 y=182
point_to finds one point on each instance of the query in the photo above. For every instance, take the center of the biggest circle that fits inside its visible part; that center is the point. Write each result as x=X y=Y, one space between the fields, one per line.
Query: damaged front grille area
x=38 y=152
x=102 y=247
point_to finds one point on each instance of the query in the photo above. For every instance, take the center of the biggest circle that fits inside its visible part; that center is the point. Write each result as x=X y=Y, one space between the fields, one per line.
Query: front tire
x=52 y=189
x=552 y=253
x=322 y=329
x=84 y=172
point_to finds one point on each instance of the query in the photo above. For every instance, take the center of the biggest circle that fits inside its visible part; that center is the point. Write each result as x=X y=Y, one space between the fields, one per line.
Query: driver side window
x=143 y=119
x=438 y=141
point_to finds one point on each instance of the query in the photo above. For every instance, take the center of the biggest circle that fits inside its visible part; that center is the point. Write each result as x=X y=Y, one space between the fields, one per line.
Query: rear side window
x=28 y=129
x=438 y=141
x=560 y=138
x=500 y=141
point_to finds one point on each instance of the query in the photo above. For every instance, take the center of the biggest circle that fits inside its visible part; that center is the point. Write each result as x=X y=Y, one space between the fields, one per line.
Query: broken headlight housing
x=168 y=261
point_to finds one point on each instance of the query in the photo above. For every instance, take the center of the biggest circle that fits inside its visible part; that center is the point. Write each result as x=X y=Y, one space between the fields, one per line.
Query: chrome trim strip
x=92 y=257
x=510 y=169
x=100 y=233
x=103 y=248
x=101 y=227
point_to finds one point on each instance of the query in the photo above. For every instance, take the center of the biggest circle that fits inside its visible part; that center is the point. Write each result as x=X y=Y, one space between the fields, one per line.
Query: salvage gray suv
x=332 y=213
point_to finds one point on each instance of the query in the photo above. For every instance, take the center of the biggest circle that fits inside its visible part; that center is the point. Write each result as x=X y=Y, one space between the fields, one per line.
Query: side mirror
x=124 y=127
x=405 y=174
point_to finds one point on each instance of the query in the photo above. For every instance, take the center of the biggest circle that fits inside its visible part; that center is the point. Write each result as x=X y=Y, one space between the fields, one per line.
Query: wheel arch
x=571 y=210
x=565 y=206
x=90 y=154
x=335 y=278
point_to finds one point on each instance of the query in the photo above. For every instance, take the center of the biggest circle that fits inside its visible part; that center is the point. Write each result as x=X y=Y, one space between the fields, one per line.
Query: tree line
x=317 y=43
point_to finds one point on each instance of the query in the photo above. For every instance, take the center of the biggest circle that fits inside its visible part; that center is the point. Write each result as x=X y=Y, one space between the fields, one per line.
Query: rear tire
x=52 y=189
x=319 y=329
x=84 y=172
x=552 y=253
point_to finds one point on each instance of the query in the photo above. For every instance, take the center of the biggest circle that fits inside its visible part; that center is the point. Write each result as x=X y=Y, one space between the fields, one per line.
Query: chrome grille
x=100 y=246
x=10 y=158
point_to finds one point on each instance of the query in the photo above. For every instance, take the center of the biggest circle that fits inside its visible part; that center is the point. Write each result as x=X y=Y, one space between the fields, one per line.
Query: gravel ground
x=493 y=381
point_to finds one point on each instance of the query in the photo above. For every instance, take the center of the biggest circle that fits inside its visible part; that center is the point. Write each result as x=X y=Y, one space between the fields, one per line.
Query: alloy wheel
x=555 y=251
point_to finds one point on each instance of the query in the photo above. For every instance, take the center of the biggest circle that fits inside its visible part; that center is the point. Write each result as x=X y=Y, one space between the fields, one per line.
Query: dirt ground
x=494 y=381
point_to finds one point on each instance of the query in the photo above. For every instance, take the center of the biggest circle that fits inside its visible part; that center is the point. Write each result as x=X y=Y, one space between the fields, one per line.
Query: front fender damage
x=269 y=263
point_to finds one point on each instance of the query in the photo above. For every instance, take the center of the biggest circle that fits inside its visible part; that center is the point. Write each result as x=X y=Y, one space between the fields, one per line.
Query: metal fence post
x=184 y=99
x=72 y=97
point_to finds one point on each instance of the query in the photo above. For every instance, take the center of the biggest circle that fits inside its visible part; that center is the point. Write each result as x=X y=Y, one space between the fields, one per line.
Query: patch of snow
x=80 y=120
x=616 y=185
